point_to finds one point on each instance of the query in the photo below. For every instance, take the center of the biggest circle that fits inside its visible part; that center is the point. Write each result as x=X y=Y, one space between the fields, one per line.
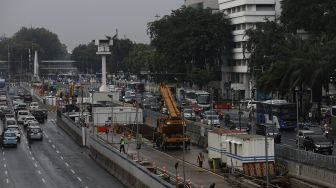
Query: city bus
x=277 y=112
x=203 y=99
x=190 y=97
x=137 y=87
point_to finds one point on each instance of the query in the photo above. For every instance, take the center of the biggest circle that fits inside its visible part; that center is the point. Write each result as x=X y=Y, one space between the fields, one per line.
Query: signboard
x=103 y=46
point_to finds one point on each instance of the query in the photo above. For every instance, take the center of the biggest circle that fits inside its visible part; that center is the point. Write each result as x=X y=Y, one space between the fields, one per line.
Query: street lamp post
x=184 y=137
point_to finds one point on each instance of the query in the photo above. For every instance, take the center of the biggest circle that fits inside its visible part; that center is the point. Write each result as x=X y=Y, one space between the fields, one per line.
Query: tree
x=120 y=50
x=191 y=37
x=86 y=58
x=140 y=58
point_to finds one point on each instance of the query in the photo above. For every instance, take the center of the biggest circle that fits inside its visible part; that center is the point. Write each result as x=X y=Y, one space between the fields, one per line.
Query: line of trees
x=296 y=51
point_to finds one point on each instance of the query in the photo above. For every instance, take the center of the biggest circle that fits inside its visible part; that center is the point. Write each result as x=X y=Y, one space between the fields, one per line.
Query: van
x=21 y=115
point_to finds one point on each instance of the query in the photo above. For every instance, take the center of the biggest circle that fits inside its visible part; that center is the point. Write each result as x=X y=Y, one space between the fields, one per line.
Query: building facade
x=212 y=4
x=244 y=14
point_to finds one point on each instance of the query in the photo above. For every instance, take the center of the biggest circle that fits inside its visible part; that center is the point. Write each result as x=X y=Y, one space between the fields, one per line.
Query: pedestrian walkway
x=200 y=177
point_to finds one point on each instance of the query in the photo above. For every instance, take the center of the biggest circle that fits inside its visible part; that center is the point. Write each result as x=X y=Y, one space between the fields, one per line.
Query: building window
x=243 y=26
x=238 y=9
x=265 y=7
x=237 y=44
x=233 y=9
x=228 y=11
x=230 y=147
x=235 y=148
x=243 y=7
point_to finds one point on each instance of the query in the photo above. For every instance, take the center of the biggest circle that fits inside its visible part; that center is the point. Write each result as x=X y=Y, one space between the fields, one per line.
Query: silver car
x=34 y=132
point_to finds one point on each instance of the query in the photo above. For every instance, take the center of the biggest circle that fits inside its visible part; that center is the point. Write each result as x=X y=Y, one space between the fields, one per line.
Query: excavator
x=169 y=130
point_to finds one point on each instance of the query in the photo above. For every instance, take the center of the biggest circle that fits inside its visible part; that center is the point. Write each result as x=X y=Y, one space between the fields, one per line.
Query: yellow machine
x=169 y=130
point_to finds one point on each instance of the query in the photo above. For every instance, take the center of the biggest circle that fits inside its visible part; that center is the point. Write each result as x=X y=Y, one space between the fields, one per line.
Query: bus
x=203 y=99
x=280 y=113
x=138 y=87
x=190 y=96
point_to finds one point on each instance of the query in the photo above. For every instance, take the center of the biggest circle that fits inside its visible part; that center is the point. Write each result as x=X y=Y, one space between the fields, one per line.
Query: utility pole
x=8 y=56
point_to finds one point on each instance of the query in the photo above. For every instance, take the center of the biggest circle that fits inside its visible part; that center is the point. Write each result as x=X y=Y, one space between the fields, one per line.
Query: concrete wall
x=127 y=171
x=124 y=169
x=314 y=175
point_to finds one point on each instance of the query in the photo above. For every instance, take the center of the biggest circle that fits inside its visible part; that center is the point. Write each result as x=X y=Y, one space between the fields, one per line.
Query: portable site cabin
x=217 y=144
x=247 y=153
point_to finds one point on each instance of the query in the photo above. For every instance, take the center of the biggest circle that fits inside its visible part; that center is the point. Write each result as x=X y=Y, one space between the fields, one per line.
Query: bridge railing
x=305 y=157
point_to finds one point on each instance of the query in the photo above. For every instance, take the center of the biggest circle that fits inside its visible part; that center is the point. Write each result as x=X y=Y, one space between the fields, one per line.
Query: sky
x=81 y=21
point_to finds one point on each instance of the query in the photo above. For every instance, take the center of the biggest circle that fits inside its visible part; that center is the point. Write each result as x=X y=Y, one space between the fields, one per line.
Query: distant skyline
x=81 y=21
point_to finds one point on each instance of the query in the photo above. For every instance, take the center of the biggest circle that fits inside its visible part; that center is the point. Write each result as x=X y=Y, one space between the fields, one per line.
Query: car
x=27 y=98
x=208 y=112
x=21 y=114
x=302 y=134
x=34 y=132
x=129 y=97
x=15 y=128
x=9 y=138
x=40 y=115
x=318 y=144
x=189 y=114
x=27 y=120
x=272 y=131
x=10 y=121
x=212 y=119
x=33 y=105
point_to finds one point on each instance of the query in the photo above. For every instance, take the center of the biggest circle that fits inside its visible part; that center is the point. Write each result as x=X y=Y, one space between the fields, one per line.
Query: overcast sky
x=80 y=21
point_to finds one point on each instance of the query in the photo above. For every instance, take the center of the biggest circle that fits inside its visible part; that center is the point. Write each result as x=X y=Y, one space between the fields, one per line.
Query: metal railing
x=305 y=157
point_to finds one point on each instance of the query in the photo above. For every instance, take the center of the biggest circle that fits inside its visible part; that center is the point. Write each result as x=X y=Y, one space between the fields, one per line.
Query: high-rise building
x=244 y=14
x=212 y=4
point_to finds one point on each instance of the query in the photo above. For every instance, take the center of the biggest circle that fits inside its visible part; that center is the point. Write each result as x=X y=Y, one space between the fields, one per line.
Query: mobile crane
x=169 y=130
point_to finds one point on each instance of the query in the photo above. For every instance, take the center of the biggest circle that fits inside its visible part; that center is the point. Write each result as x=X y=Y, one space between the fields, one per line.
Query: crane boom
x=168 y=98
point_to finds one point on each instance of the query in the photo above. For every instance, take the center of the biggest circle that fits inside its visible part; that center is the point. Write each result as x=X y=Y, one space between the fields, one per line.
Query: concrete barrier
x=120 y=166
x=71 y=128
x=311 y=174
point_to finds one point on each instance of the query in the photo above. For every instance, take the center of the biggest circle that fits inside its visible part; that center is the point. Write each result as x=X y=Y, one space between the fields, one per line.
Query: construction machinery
x=170 y=130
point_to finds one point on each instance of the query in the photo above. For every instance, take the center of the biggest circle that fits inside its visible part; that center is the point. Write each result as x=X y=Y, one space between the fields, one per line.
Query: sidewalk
x=198 y=176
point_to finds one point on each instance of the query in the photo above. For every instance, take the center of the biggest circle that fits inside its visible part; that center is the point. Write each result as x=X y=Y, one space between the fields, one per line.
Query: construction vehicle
x=170 y=127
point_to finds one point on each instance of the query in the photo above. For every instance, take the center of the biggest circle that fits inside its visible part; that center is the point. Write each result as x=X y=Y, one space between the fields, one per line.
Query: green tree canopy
x=140 y=58
x=191 y=37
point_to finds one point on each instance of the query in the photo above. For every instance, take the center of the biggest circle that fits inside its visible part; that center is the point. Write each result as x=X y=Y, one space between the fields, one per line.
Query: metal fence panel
x=305 y=157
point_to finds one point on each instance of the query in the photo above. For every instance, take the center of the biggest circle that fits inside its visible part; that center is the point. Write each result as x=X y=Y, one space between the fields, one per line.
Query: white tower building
x=244 y=14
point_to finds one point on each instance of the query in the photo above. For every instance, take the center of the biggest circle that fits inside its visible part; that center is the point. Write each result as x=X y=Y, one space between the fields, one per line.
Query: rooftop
x=248 y=136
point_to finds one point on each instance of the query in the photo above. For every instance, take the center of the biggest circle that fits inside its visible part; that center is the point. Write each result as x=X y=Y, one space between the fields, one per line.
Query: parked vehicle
x=34 y=132
x=318 y=144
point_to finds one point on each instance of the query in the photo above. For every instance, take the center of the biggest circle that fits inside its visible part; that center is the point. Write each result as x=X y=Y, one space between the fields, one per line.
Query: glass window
x=233 y=9
x=243 y=26
x=243 y=7
x=229 y=11
x=238 y=9
x=230 y=147
x=236 y=148
x=265 y=7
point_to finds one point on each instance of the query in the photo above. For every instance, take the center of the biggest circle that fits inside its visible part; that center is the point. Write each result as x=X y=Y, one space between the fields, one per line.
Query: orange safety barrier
x=102 y=128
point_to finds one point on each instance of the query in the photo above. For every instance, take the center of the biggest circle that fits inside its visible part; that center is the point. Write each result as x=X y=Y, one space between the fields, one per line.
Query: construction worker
x=122 y=145
x=200 y=159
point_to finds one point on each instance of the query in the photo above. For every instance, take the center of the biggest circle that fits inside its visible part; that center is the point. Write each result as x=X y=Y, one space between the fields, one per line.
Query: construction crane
x=170 y=128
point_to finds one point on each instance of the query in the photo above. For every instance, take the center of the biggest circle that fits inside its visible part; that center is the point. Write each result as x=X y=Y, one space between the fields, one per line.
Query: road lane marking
x=43 y=180
x=49 y=141
x=26 y=142
x=5 y=165
x=4 y=158
x=45 y=134
x=67 y=164
x=30 y=152
x=57 y=151
x=3 y=153
x=7 y=180
x=39 y=172
x=53 y=146
x=35 y=165
x=79 y=179
x=33 y=158
x=6 y=172
x=62 y=158
x=73 y=171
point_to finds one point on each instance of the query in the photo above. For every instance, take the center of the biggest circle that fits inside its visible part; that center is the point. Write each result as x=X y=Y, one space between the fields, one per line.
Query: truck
x=170 y=127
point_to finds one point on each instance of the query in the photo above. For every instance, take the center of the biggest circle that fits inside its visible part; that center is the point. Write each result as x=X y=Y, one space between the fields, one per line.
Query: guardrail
x=305 y=157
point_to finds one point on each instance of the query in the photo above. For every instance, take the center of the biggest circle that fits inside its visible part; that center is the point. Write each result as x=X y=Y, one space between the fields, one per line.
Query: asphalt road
x=57 y=161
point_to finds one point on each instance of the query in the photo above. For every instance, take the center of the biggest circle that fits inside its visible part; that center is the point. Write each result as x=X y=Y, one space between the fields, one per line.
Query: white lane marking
x=5 y=165
x=39 y=172
x=3 y=153
x=62 y=158
x=45 y=134
x=43 y=180
x=6 y=172
x=26 y=142
x=79 y=179
x=57 y=151
x=30 y=152
x=53 y=146
x=33 y=158
x=49 y=141
x=73 y=171
x=35 y=165
x=86 y=187
x=67 y=164
x=4 y=158
x=7 y=180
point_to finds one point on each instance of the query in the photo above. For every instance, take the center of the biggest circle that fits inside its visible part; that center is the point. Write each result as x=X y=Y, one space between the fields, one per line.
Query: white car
x=27 y=120
x=33 y=106
x=212 y=119
x=16 y=129
x=21 y=115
